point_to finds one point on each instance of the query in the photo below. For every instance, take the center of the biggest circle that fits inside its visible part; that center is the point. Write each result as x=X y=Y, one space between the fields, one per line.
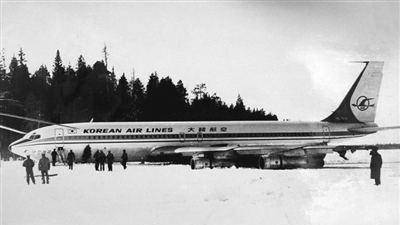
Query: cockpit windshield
x=34 y=136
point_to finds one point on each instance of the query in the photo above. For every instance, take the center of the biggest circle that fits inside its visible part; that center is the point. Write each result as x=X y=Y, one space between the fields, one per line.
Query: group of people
x=44 y=163
x=70 y=158
x=44 y=167
x=100 y=158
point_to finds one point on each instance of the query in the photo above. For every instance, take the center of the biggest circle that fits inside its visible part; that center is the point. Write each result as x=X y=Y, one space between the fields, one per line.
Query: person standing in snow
x=29 y=164
x=61 y=154
x=375 y=166
x=110 y=160
x=96 y=157
x=102 y=160
x=70 y=159
x=44 y=167
x=54 y=157
x=124 y=159
x=87 y=154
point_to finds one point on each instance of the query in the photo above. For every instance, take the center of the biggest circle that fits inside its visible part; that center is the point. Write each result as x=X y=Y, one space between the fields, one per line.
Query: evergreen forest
x=80 y=93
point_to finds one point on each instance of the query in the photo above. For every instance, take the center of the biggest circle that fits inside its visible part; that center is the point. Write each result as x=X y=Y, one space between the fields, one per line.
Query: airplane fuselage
x=140 y=139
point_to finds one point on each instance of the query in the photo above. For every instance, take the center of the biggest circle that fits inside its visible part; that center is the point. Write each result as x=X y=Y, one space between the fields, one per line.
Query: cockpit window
x=34 y=136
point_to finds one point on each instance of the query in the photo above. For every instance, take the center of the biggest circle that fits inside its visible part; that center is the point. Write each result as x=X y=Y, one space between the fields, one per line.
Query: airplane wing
x=286 y=150
x=12 y=130
x=34 y=120
x=244 y=149
x=309 y=155
x=193 y=149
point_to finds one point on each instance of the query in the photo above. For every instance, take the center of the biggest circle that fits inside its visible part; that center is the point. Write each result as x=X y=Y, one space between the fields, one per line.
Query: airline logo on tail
x=363 y=103
x=362 y=95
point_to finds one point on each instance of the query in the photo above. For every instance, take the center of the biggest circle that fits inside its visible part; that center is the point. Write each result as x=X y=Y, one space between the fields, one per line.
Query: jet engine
x=202 y=162
x=286 y=162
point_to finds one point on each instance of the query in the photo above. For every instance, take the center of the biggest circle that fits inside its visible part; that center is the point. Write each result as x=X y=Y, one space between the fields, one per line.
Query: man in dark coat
x=70 y=159
x=124 y=158
x=44 y=167
x=54 y=157
x=102 y=160
x=110 y=160
x=96 y=157
x=376 y=164
x=87 y=154
x=29 y=164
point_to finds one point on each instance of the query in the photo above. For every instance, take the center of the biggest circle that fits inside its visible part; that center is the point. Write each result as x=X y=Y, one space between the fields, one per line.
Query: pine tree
x=57 y=82
x=4 y=77
x=21 y=56
x=113 y=78
x=104 y=100
x=199 y=90
x=182 y=101
x=138 y=98
x=152 y=84
x=123 y=89
x=19 y=77
x=41 y=83
x=81 y=70
x=105 y=53
x=240 y=109
x=151 y=101
x=41 y=91
x=58 y=70
x=123 y=111
x=167 y=100
x=70 y=85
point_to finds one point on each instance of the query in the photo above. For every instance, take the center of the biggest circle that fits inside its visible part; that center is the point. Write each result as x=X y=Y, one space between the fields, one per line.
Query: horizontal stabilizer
x=369 y=130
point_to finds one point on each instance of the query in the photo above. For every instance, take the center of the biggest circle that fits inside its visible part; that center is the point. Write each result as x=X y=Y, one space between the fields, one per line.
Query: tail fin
x=359 y=105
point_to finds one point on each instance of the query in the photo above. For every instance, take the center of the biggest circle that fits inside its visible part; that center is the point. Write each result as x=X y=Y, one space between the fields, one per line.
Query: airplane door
x=325 y=133
x=59 y=137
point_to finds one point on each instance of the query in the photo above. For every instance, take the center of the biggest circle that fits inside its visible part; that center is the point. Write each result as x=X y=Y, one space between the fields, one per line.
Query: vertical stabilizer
x=359 y=105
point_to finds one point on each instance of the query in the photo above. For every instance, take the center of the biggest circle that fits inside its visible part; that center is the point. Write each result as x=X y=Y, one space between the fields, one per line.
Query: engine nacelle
x=285 y=162
x=201 y=163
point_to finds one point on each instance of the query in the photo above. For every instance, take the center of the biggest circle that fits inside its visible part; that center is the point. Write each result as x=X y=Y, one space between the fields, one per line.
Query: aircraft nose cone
x=14 y=148
x=11 y=148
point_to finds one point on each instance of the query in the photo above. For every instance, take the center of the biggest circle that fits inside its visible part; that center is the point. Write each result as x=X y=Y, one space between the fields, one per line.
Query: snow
x=341 y=193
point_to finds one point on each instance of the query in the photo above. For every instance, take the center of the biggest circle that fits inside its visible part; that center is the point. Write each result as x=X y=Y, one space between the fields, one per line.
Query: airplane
x=259 y=144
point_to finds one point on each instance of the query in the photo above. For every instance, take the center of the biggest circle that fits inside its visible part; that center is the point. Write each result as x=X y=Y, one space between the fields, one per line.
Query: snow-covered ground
x=174 y=194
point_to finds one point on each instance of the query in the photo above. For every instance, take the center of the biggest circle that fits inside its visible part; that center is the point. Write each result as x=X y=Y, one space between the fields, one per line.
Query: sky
x=290 y=58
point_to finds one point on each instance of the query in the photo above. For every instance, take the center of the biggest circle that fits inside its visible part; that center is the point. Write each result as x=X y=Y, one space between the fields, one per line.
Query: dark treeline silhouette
x=64 y=94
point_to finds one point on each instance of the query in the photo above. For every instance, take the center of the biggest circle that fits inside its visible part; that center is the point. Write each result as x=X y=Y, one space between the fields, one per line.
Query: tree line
x=65 y=94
